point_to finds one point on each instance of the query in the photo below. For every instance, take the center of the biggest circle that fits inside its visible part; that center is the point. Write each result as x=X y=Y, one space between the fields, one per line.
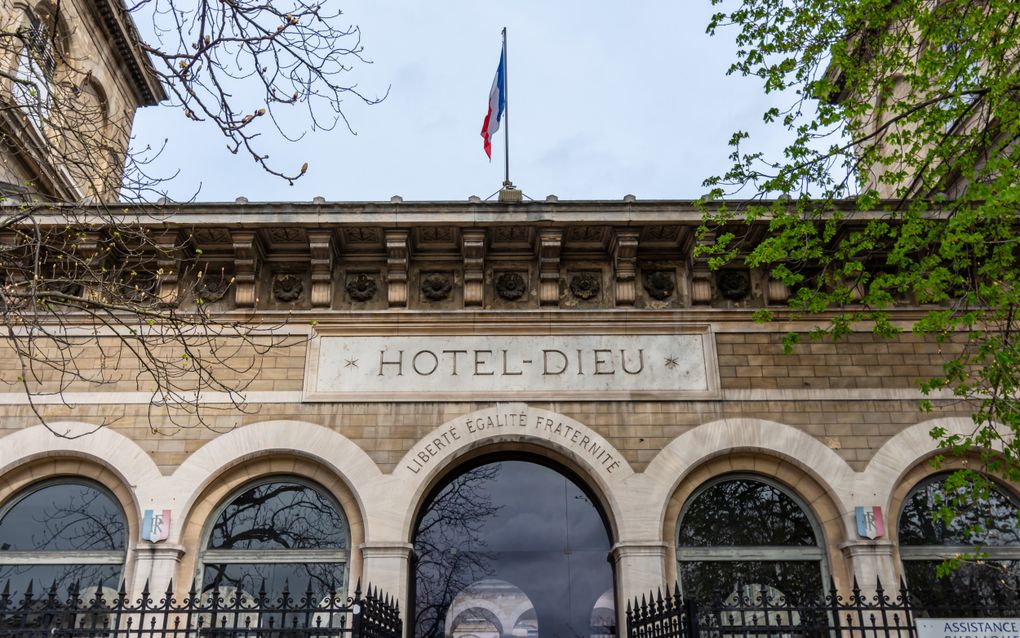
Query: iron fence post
x=691 y=628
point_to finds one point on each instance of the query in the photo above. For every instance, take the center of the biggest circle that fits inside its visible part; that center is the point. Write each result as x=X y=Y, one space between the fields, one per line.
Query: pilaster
x=870 y=560
x=156 y=565
x=640 y=568
x=387 y=566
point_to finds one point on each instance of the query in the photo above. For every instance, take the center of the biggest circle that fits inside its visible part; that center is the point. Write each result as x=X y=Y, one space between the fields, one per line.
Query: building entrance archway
x=511 y=547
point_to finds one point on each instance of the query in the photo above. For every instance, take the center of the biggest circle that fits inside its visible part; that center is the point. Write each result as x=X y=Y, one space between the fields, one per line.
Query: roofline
x=397 y=214
x=148 y=89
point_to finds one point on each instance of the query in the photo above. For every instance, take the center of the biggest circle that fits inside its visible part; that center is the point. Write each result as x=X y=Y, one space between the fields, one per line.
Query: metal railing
x=212 y=613
x=758 y=612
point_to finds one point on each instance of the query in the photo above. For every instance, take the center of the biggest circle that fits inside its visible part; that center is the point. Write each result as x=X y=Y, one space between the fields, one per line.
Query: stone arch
x=888 y=469
x=102 y=456
x=595 y=461
x=195 y=523
x=277 y=446
x=99 y=447
x=768 y=443
x=819 y=502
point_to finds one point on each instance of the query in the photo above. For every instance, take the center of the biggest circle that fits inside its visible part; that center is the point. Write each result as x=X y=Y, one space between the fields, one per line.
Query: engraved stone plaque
x=512 y=367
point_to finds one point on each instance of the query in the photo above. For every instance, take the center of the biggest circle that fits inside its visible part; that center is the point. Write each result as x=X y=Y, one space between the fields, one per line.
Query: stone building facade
x=440 y=349
x=66 y=122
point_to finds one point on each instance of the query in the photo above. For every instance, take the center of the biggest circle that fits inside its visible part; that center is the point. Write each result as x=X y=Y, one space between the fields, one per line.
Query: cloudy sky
x=606 y=99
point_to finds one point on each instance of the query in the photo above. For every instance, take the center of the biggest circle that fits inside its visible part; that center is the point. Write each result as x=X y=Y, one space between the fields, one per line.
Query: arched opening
x=63 y=533
x=519 y=538
x=985 y=527
x=277 y=534
x=744 y=537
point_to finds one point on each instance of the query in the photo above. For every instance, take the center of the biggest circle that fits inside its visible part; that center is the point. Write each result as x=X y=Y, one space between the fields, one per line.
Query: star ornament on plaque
x=870 y=523
x=156 y=525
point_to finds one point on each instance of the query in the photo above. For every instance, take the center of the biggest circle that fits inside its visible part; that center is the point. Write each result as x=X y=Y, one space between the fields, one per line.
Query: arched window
x=35 y=67
x=65 y=533
x=926 y=542
x=511 y=547
x=277 y=533
x=746 y=534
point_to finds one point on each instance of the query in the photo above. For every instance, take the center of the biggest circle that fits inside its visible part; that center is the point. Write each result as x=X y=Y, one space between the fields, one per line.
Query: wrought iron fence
x=756 y=611
x=213 y=613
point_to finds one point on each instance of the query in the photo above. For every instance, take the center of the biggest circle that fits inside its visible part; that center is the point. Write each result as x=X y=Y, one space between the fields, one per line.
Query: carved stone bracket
x=624 y=248
x=87 y=247
x=248 y=254
x=322 y=251
x=776 y=292
x=168 y=260
x=472 y=245
x=396 y=267
x=550 y=243
x=701 y=275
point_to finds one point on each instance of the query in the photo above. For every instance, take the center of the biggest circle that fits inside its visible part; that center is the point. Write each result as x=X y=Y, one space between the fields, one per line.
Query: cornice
x=121 y=27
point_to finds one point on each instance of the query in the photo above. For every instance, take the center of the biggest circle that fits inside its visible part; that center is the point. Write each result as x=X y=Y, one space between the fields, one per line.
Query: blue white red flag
x=497 y=103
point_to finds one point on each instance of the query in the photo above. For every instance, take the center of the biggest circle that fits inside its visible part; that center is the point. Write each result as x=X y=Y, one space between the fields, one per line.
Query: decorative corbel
x=322 y=252
x=701 y=274
x=472 y=247
x=168 y=260
x=396 y=267
x=248 y=254
x=624 y=248
x=91 y=257
x=550 y=243
x=776 y=292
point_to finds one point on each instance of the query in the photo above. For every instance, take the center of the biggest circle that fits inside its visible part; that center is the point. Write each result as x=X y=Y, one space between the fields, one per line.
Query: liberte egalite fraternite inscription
x=517 y=367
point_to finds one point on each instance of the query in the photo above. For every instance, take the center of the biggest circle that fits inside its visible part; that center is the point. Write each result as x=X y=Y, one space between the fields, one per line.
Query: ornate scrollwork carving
x=511 y=286
x=659 y=284
x=436 y=286
x=287 y=288
x=734 y=285
x=362 y=287
x=585 y=285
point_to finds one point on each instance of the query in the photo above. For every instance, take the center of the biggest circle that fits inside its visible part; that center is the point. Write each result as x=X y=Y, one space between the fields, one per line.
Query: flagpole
x=506 y=115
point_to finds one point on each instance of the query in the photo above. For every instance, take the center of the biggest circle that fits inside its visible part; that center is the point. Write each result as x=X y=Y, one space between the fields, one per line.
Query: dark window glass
x=42 y=577
x=279 y=515
x=63 y=517
x=741 y=540
x=973 y=589
x=510 y=547
x=321 y=579
x=788 y=581
x=997 y=515
x=745 y=512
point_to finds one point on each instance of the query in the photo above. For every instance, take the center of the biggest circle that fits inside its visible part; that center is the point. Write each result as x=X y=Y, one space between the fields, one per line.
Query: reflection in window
x=511 y=548
x=747 y=535
x=62 y=533
x=277 y=535
x=926 y=542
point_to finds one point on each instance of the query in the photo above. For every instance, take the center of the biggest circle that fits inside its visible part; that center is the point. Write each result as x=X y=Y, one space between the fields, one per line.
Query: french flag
x=497 y=103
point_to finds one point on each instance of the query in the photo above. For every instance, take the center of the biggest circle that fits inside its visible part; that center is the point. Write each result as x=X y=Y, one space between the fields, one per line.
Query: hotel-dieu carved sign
x=520 y=366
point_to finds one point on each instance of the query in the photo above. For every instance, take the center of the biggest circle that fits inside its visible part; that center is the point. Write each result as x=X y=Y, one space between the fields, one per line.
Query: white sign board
x=968 y=628
x=511 y=367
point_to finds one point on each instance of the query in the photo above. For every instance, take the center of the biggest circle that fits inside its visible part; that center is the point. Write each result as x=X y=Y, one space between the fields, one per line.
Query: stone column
x=155 y=564
x=640 y=568
x=870 y=560
x=387 y=567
